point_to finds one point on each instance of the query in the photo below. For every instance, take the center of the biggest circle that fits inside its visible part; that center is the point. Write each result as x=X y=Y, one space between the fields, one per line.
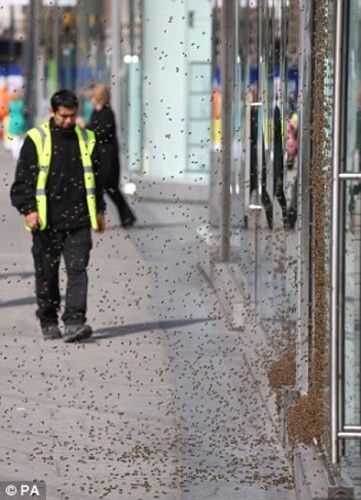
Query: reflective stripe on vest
x=42 y=139
x=86 y=140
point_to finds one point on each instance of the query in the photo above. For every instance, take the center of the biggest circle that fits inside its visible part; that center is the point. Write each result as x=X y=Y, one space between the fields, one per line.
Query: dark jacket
x=102 y=122
x=277 y=148
x=65 y=189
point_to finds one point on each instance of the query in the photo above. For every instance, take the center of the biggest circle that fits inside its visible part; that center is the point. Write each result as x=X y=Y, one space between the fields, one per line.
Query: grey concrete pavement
x=164 y=401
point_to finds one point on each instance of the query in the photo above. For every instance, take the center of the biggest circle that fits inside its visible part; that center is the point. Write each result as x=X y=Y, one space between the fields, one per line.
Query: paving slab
x=163 y=401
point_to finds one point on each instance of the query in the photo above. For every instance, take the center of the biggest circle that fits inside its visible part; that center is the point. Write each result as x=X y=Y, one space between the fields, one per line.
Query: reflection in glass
x=354 y=89
x=351 y=252
x=263 y=244
x=352 y=305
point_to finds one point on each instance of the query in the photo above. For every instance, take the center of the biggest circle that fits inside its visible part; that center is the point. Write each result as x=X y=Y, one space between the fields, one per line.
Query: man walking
x=57 y=189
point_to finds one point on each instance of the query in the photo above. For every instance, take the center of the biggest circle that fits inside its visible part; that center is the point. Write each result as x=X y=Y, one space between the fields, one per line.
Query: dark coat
x=277 y=148
x=65 y=189
x=102 y=122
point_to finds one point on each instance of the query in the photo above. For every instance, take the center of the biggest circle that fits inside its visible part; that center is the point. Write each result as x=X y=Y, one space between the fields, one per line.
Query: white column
x=164 y=88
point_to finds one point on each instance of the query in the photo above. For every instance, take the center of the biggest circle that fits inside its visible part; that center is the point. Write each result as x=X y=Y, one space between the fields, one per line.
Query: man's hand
x=80 y=122
x=101 y=222
x=33 y=221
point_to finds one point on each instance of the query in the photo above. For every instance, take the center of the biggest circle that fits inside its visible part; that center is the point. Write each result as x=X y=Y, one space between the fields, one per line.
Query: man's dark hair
x=65 y=98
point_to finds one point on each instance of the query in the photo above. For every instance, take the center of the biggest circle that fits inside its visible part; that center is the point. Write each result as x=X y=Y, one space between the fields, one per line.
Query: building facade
x=284 y=211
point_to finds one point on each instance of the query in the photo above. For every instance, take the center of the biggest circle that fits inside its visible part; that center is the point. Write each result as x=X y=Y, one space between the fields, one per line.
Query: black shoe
x=292 y=218
x=75 y=332
x=129 y=221
x=51 y=331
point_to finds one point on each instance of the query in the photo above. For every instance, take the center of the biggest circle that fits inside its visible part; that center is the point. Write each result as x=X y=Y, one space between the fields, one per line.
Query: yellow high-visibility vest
x=41 y=137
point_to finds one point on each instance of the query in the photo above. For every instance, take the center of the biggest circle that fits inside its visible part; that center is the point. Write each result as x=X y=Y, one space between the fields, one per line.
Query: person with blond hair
x=102 y=122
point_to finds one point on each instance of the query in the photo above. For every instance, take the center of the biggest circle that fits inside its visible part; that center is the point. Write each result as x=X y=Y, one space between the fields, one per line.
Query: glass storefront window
x=350 y=248
x=352 y=304
x=263 y=187
x=354 y=89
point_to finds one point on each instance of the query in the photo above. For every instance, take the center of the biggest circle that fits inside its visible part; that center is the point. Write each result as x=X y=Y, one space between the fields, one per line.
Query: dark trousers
x=124 y=211
x=280 y=195
x=48 y=247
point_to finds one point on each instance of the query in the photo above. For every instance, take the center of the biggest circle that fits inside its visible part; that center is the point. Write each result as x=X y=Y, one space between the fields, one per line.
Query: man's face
x=65 y=117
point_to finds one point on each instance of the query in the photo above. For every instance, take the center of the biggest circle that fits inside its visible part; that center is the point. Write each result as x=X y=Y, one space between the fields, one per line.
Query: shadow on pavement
x=117 y=331
x=148 y=225
x=18 y=302
x=21 y=274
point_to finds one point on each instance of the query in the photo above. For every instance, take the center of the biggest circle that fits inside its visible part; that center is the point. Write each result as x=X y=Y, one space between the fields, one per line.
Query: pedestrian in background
x=58 y=191
x=292 y=135
x=4 y=106
x=102 y=121
x=17 y=122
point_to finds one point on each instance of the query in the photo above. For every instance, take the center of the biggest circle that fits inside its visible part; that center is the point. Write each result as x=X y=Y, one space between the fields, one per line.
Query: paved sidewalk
x=164 y=401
